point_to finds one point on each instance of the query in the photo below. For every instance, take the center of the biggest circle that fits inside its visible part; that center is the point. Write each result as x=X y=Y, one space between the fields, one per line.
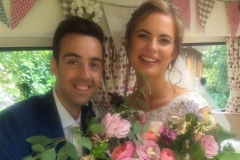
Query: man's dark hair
x=76 y=25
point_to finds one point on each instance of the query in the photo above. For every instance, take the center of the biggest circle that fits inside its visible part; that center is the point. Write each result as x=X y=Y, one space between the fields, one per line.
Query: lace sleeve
x=198 y=99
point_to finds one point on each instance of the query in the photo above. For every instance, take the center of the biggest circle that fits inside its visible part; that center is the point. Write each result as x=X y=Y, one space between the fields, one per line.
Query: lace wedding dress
x=175 y=107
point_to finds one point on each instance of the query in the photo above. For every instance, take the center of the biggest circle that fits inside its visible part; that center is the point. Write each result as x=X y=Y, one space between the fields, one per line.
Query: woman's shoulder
x=190 y=96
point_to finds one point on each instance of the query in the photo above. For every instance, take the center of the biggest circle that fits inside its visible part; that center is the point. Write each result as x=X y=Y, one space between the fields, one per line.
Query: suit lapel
x=49 y=117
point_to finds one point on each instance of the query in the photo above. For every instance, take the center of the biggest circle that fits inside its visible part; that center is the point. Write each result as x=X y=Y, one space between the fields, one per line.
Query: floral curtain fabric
x=118 y=75
x=233 y=61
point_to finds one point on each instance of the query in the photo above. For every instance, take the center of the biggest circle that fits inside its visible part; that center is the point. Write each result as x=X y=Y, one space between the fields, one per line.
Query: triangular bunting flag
x=184 y=6
x=20 y=9
x=233 y=16
x=66 y=7
x=3 y=16
x=117 y=18
x=204 y=9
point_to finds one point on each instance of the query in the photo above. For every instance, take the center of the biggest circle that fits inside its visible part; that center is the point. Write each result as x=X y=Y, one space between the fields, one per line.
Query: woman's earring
x=169 y=66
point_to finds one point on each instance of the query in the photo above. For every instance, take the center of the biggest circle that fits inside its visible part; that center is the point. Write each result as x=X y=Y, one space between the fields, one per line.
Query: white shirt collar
x=65 y=117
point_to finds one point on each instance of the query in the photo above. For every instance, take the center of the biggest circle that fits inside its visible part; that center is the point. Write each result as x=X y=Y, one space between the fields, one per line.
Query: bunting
x=20 y=9
x=233 y=14
x=3 y=16
x=204 y=9
x=184 y=6
x=117 y=18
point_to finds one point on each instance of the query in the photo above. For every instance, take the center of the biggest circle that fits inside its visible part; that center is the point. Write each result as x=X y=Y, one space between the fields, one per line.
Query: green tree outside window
x=24 y=73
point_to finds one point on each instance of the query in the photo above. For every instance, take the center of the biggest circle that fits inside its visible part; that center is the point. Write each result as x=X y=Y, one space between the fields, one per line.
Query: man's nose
x=84 y=71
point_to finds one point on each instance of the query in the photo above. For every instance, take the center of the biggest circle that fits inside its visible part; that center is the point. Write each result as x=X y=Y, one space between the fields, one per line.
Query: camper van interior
x=211 y=49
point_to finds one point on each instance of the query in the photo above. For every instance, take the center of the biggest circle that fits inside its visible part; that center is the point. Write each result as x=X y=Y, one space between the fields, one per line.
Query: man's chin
x=82 y=103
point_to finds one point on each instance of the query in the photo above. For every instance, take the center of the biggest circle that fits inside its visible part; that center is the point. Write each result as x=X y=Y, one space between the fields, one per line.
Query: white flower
x=89 y=9
x=86 y=7
x=91 y=3
x=79 y=3
x=80 y=12
x=98 y=13
x=207 y=124
x=187 y=157
x=85 y=3
x=96 y=7
x=155 y=126
x=73 y=12
x=95 y=19
x=74 y=5
x=181 y=124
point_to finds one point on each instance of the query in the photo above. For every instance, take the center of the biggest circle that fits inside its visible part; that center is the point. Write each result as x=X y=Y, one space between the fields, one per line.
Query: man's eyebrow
x=72 y=55
x=78 y=56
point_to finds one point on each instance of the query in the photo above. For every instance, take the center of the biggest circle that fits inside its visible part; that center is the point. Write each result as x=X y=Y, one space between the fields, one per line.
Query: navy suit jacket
x=34 y=116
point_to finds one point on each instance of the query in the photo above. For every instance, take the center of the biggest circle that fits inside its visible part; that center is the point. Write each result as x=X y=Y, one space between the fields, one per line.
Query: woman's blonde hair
x=161 y=6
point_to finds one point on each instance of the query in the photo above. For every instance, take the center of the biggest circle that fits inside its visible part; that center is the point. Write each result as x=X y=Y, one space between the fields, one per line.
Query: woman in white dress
x=154 y=37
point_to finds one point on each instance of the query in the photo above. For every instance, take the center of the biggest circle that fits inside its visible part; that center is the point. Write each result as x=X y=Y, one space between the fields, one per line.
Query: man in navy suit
x=78 y=47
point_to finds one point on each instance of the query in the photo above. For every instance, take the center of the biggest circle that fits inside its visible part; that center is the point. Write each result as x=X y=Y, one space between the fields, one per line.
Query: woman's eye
x=164 y=41
x=143 y=36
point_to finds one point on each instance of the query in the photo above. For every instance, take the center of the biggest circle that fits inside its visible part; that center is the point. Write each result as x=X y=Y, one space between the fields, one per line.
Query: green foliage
x=215 y=69
x=85 y=141
x=25 y=73
x=38 y=140
x=146 y=126
x=71 y=151
x=232 y=156
x=137 y=128
x=99 y=149
x=97 y=128
x=197 y=151
x=38 y=148
x=49 y=154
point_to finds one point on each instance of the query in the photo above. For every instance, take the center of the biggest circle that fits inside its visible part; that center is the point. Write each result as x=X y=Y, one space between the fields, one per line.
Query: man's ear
x=53 y=67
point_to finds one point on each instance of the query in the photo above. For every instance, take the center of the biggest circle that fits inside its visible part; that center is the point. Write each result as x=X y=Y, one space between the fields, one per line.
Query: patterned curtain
x=118 y=76
x=233 y=61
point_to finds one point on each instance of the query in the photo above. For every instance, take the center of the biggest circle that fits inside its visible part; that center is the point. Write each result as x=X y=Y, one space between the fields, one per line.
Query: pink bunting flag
x=184 y=6
x=20 y=9
x=233 y=14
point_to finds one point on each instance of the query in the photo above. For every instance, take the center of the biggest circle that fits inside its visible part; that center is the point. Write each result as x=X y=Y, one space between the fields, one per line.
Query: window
x=24 y=73
x=210 y=66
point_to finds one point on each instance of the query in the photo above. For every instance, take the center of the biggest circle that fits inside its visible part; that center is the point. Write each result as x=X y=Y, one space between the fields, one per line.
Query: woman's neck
x=154 y=92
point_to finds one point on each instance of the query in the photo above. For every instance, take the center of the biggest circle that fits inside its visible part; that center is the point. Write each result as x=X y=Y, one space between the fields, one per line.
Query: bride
x=154 y=37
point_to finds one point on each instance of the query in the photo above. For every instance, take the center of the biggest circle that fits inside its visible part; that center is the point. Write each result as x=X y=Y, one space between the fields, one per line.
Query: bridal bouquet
x=126 y=134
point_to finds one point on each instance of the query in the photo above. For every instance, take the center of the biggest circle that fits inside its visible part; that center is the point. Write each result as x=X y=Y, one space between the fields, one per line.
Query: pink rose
x=150 y=136
x=148 y=150
x=124 y=151
x=115 y=127
x=210 y=145
x=167 y=154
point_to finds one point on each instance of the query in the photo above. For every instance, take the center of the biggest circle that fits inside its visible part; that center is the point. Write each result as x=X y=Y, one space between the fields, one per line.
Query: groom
x=77 y=64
